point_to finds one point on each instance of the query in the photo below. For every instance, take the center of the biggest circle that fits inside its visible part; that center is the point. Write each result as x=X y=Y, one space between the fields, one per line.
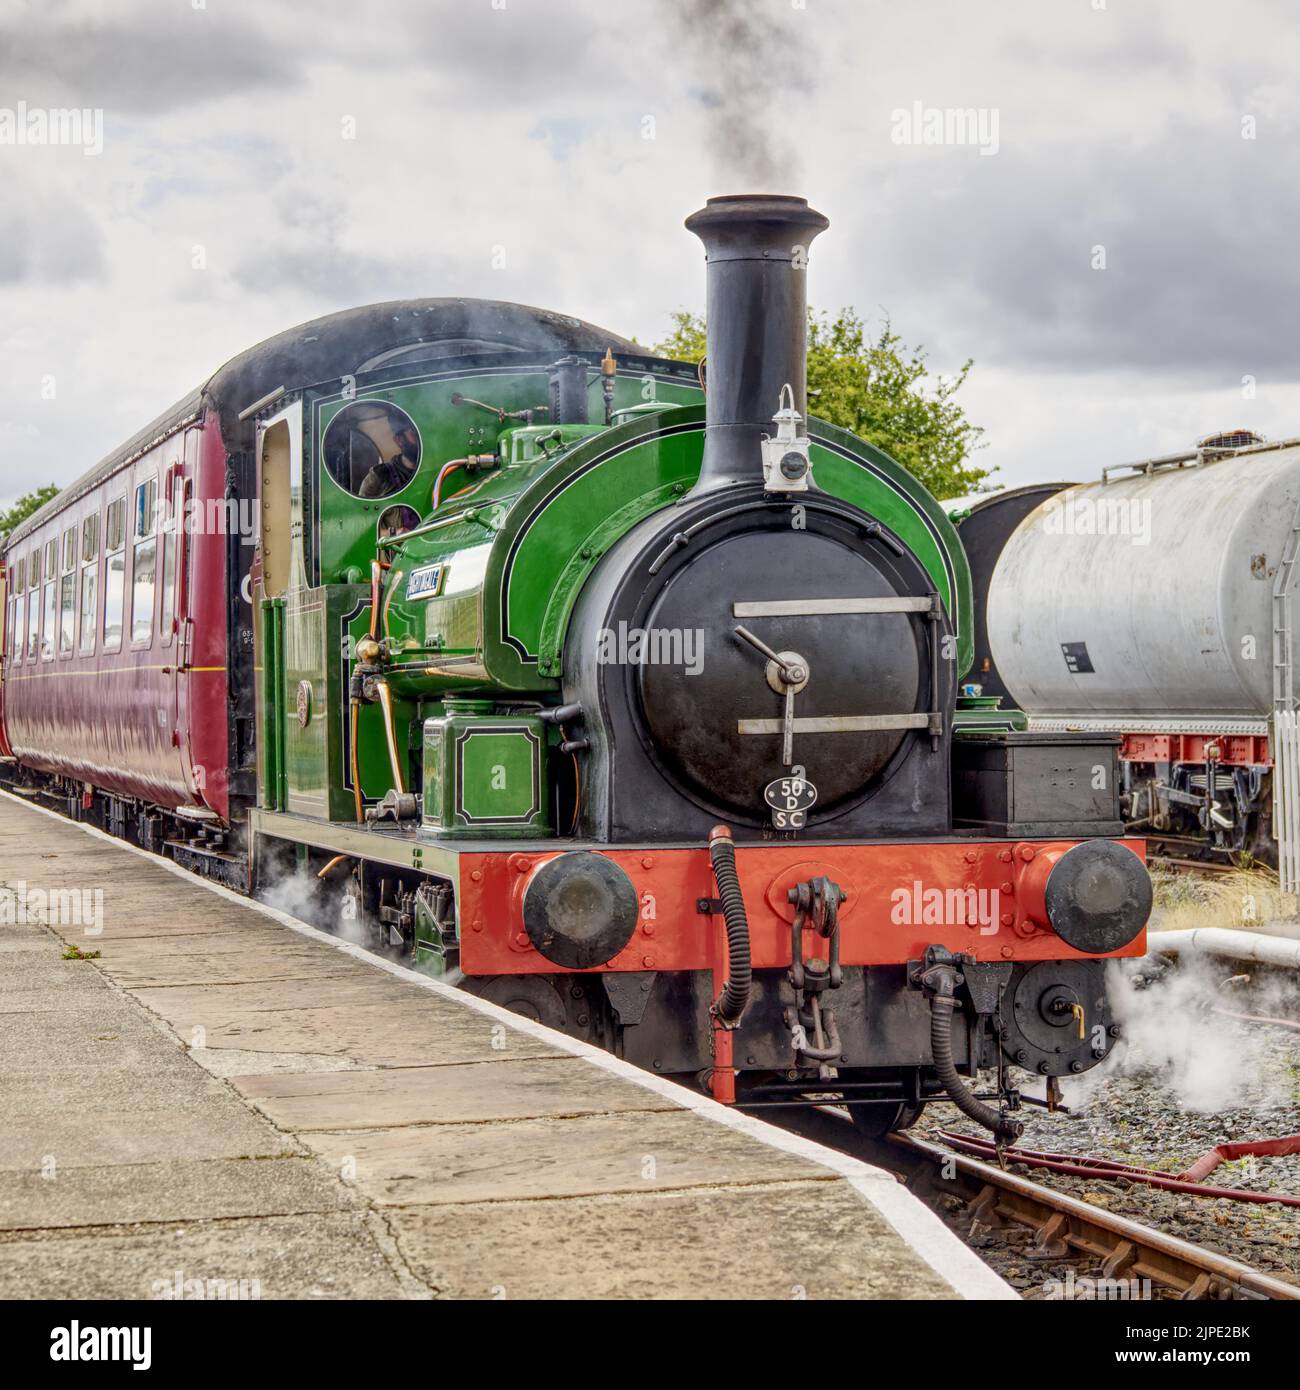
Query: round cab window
x=396 y=519
x=372 y=449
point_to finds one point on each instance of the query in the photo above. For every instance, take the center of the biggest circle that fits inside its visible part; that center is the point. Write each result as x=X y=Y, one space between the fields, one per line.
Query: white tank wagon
x=1159 y=604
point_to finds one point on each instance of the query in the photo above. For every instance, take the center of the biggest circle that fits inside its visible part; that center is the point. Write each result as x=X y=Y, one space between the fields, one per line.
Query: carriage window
x=89 y=582
x=146 y=505
x=114 y=573
x=19 y=606
x=171 y=543
x=144 y=562
x=89 y=605
x=33 y=623
x=33 y=604
x=68 y=593
x=51 y=601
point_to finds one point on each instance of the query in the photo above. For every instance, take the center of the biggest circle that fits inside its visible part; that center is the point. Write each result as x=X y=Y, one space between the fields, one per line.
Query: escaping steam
x=747 y=63
x=302 y=895
x=1177 y=1034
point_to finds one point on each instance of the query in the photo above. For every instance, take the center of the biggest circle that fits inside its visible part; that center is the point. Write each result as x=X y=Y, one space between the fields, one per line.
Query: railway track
x=1210 y=868
x=1182 y=852
x=1063 y=1227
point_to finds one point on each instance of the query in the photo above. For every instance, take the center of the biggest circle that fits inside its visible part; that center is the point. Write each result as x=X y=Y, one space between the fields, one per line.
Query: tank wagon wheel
x=876 y=1121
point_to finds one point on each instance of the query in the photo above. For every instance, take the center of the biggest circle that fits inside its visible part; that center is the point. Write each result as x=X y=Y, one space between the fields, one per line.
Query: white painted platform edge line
x=916 y=1224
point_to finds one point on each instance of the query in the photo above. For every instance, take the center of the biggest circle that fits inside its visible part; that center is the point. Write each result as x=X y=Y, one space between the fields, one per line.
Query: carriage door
x=175 y=627
x=278 y=572
x=7 y=639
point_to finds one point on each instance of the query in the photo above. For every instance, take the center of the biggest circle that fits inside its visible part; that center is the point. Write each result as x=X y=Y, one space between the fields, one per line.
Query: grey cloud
x=46 y=239
x=306 y=251
x=140 y=58
x=1197 y=228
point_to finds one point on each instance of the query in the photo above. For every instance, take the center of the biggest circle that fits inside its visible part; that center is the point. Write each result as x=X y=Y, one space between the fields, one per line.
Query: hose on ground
x=942 y=1005
x=731 y=1003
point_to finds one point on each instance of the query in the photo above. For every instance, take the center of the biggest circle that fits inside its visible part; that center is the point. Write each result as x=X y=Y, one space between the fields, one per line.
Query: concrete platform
x=225 y=1102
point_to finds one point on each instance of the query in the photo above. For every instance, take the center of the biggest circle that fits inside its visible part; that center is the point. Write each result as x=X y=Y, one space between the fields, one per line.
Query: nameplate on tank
x=426 y=582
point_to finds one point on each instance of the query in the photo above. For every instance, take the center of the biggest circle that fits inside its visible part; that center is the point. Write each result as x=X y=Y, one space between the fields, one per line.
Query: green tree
x=879 y=389
x=25 y=506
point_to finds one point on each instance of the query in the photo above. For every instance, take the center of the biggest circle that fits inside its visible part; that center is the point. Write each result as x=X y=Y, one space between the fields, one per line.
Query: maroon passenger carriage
x=117 y=677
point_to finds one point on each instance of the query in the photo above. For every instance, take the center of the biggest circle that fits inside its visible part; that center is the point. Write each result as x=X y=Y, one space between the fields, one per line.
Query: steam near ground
x=1182 y=1030
x=301 y=895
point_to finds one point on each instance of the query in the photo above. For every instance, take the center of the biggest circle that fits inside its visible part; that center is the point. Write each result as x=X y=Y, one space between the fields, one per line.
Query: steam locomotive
x=614 y=688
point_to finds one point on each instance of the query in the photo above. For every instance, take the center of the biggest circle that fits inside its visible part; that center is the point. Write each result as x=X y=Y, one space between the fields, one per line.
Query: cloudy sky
x=265 y=162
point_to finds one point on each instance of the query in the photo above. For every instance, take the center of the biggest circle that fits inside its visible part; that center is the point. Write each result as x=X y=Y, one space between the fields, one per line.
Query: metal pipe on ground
x=1281 y=951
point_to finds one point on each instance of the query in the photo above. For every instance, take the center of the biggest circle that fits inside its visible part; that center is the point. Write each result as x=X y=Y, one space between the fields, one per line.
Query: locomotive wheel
x=533 y=996
x=876 y=1121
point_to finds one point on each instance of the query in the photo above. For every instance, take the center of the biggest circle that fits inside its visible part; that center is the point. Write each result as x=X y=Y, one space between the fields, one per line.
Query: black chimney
x=756 y=246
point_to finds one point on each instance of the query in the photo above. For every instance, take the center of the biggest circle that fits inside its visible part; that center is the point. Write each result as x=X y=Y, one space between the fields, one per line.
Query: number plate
x=791 y=798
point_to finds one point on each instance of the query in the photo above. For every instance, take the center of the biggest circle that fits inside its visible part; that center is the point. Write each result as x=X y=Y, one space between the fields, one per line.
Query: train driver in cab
x=398 y=445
